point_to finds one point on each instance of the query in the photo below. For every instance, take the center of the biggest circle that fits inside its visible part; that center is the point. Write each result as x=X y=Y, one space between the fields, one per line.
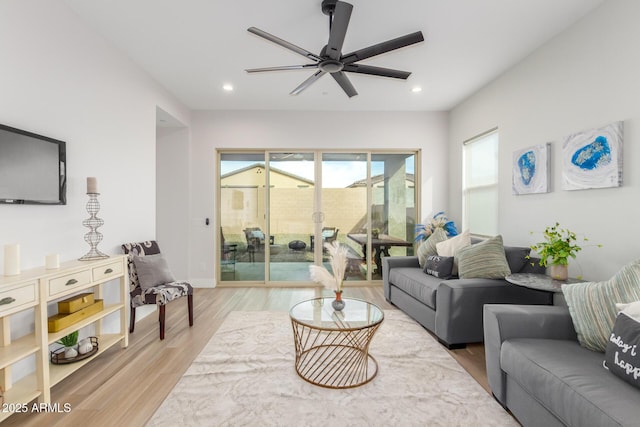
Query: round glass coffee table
x=332 y=347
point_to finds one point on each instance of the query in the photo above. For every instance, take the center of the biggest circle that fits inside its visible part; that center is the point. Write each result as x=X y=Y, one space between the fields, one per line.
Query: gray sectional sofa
x=452 y=309
x=537 y=369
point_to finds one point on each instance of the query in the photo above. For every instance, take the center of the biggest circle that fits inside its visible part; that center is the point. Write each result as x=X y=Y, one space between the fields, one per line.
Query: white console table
x=34 y=289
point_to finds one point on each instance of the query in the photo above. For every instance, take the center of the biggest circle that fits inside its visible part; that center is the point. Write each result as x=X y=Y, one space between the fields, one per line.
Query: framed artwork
x=531 y=170
x=593 y=158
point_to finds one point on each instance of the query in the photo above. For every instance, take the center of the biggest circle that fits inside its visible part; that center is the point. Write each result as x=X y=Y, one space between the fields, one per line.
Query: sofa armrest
x=395 y=262
x=503 y=322
x=459 y=304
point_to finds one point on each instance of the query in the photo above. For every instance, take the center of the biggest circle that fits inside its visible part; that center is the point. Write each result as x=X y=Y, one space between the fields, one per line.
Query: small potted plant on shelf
x=69 y=342
x=559 y=245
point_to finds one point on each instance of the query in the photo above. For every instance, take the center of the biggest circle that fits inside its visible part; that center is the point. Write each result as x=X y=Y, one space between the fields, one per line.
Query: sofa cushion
x=439 y=266
x=485 y=260
x=451 y=246
x=428 y=247
x=517 y=257
x=622 y=355
x=570 y=382
x=592 y=305
x=415 y=283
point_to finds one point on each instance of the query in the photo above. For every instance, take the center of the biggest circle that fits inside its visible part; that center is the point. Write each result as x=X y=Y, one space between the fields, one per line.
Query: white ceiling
x=193 y=47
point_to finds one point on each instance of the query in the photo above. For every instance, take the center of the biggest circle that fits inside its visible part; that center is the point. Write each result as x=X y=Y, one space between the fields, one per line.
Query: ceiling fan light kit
x=331 y=60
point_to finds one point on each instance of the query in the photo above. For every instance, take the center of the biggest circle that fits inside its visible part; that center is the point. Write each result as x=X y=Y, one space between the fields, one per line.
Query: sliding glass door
x=278 y=209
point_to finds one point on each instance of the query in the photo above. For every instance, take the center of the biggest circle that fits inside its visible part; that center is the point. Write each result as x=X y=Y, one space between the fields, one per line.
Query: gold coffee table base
x=334 y=358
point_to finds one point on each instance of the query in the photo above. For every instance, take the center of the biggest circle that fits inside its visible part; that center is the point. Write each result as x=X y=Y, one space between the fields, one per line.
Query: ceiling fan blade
x=376 y=71
x=282 y=68
x=305 y=84
x=339 y=24
x=383 y=47
x=283 y=43
x=344 y=83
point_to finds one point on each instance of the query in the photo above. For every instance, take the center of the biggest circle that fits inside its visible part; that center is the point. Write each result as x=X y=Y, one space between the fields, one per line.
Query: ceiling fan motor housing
x=328 y=6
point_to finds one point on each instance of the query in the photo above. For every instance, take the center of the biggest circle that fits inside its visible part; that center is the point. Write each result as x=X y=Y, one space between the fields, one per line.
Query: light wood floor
x=124 y=387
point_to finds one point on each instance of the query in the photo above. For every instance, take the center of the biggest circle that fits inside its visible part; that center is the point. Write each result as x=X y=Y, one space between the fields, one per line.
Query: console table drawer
x=112 y=269
x=15 y=298
x=70 y=281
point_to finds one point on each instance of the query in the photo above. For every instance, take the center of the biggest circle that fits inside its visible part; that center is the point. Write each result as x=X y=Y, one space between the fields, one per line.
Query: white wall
x=60 y=79
x=172 y=197
x=313 y=130
x=585 y=78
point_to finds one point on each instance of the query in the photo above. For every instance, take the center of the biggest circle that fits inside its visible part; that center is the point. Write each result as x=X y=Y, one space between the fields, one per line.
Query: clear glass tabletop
x=319 y=314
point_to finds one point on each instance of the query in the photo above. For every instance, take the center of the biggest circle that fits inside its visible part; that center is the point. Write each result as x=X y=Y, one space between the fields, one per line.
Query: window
x=480 y=184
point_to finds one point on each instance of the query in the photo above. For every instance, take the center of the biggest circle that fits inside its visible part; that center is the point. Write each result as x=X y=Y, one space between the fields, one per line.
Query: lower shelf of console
x=59 y=372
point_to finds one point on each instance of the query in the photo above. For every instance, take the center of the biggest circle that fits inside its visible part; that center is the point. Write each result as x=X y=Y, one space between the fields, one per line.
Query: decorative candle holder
x=93 y=237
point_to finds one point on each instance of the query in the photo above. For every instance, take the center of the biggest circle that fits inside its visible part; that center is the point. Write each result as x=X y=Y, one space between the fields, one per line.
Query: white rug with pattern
x=245 y=376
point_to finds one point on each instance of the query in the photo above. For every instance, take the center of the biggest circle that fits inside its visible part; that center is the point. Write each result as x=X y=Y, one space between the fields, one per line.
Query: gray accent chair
x=159 y=295
x=452 y=309
x=537 y=370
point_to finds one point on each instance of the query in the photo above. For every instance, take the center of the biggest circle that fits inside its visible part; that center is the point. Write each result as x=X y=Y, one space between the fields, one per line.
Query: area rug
x=245 y=376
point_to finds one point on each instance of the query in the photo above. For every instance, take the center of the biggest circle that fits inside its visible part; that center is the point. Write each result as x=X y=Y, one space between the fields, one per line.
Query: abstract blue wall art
x=531 y=170
x=593 y=158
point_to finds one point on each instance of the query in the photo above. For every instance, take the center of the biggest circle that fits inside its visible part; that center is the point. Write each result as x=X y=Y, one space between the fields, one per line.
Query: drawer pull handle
x=7 y=300
x=71 y=282
x=108 y=270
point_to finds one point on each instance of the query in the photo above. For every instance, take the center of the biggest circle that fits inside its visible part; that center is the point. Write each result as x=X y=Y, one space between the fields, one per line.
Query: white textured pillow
x=451 y=246
x=631 y=309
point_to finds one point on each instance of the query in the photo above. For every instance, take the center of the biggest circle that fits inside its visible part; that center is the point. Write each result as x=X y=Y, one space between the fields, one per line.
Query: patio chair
x=228 y=255
x=329 y=234
x=151 y=282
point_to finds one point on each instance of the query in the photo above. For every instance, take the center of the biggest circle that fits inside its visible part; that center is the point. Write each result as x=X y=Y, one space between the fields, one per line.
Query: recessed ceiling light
x=227 y=87
x=416 y=89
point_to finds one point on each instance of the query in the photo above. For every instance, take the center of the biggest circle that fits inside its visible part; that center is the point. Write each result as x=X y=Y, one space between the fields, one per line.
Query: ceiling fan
x=331 y=60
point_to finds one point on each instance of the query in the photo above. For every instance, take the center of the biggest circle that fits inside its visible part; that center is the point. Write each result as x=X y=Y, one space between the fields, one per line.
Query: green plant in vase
x=69 y=342
x=559 y=245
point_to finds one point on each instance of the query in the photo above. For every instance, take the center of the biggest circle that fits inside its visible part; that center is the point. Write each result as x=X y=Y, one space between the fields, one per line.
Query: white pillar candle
x=92 y=185
x=52 y=261
x=12 y=259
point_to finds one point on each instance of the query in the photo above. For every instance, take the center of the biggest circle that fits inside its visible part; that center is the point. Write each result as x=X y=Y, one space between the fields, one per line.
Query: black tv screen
x=32 y=168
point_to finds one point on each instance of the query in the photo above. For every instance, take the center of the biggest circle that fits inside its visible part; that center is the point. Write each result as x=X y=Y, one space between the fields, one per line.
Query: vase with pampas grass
x=332 y=280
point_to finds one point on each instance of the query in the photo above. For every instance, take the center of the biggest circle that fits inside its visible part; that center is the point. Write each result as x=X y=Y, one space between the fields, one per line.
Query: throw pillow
x=152 y=270
x=516 y=257
x=439 y=266
x=451 y=246
x=622 y=355
x=592 y=305
x=428 y=247
x=484 y=260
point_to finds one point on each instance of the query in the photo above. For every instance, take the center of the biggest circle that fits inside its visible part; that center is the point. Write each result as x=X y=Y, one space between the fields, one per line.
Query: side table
x=332 y=347
x=542 y=282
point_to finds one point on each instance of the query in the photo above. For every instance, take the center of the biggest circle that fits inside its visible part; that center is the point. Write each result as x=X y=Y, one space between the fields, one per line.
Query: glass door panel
x=393 y=207
x=291 y=208
x=242 y=217
x=344 y=208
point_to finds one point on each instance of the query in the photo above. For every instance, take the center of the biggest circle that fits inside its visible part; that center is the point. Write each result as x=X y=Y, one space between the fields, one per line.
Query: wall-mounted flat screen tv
x=33 y=168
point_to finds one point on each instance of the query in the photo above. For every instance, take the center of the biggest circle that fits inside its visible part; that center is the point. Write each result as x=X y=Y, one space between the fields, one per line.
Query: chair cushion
x=153 y=270
x=161 y=294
